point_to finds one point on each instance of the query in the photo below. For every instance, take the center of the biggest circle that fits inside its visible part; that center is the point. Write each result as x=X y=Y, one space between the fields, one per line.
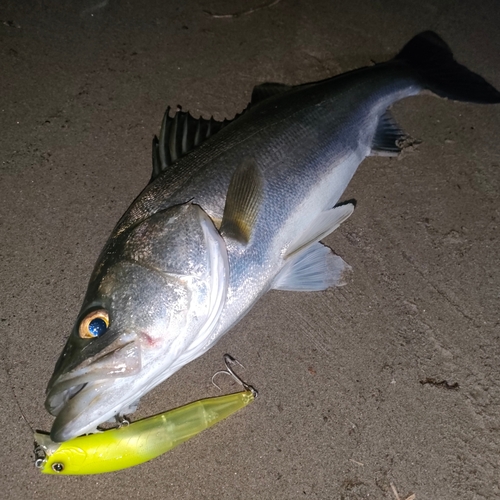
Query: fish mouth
x=57 y=400
x=92 y=393
x=82 y=407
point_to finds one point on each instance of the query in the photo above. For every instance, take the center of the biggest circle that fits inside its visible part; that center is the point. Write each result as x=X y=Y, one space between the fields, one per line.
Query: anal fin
x=313 y=269
x=387 y=136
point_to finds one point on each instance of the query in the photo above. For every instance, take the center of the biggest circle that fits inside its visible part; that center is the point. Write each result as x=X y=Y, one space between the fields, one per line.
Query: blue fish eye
x=97 y=327
x=94 y=325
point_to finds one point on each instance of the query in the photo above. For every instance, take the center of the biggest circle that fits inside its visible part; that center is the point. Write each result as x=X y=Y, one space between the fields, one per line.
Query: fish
x=233 y=209
x=133 y=444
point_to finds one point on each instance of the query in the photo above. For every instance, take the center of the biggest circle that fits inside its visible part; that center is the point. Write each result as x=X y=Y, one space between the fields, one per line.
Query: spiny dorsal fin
x=182 y=133
x=387 y=136
x=243 y=201
x=179 y=135
x=265 y=90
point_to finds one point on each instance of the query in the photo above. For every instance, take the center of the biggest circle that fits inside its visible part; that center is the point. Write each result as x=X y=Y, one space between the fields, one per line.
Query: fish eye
x=94 y=324
x=57 y=467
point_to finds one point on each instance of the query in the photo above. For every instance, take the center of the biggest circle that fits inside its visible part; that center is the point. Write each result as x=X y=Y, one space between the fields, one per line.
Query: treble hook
x=228 y=360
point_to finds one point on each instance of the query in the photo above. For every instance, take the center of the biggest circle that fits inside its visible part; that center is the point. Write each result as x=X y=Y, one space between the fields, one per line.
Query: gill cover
x=162 y=283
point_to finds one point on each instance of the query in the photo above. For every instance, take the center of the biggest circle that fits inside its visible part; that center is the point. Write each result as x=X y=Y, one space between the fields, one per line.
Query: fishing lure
x=138 y=442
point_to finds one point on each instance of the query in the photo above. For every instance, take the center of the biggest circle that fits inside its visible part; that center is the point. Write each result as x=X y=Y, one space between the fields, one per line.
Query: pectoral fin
x=324 y=224
x=313 y=269
x=243 y=201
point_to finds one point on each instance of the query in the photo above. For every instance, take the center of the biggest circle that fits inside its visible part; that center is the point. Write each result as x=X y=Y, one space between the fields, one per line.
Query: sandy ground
x=391 y=379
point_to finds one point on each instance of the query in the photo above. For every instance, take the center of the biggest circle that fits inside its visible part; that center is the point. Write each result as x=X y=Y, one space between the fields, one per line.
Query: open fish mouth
x=91 y=393
x=121 y=363
x=81 y=408
x=56 y=401
x=67 y=387
x=72 y=394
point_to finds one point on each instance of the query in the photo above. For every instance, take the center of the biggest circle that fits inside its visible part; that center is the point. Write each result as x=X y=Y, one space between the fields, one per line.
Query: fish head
x=153 y=300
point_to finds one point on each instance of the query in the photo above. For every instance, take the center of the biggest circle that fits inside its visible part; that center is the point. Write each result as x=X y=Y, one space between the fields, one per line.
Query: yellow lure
x=136 y=443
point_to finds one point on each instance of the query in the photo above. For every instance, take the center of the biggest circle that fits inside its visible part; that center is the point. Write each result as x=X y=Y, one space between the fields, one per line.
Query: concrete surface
x=392 y=379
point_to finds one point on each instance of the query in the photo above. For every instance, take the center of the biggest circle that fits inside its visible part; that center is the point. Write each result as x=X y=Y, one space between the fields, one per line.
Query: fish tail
x=433 y=60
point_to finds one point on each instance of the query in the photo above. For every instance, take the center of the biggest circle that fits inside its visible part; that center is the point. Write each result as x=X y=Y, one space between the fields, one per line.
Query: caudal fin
x=433 y=60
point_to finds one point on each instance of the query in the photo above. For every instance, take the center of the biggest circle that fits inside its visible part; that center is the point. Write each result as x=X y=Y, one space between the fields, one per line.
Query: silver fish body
x=237 y=215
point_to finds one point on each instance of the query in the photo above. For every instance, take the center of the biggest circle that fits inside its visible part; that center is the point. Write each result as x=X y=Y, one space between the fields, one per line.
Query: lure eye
x=57 y=467
x=94 y=324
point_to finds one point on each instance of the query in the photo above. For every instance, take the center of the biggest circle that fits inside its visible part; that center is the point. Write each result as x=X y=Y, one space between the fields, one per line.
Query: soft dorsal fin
x=179 y=135
x=266 y=90
x=243 y=200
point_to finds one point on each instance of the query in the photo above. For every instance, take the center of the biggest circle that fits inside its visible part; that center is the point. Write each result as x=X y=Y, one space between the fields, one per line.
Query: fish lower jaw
x=55 y=402
x=64 y=431
x=86 y=411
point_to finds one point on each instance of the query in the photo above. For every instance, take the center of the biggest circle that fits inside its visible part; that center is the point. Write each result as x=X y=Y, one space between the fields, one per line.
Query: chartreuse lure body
x=136 y=443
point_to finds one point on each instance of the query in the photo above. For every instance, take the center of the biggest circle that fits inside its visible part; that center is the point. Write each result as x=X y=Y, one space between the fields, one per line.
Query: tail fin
x=433 y=60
